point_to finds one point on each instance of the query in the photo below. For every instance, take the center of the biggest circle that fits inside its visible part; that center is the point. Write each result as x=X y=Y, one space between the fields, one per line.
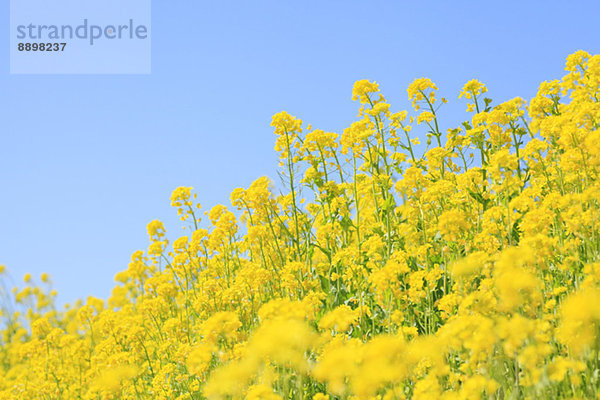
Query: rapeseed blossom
x=468 y=269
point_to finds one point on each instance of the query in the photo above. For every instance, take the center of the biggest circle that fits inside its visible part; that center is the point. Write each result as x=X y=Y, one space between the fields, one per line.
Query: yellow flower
x=198 y=361
x=261 y=392
x=339 y=319
x=425 y=116
x=472 y=88
x=363 y=89
x=421 y=89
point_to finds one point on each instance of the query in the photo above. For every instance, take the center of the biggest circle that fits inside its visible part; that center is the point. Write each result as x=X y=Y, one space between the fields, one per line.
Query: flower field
x=463 y=267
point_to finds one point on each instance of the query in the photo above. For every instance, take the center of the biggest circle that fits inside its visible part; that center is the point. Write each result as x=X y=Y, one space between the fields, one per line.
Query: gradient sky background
x=87 y=161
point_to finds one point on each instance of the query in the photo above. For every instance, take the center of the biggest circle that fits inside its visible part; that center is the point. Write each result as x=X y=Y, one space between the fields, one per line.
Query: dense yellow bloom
x=468 y=270
x=223 y=324
x=112 y=379
x=261 y=392
x=580 y=320
x=339 y=319
x=198 y=360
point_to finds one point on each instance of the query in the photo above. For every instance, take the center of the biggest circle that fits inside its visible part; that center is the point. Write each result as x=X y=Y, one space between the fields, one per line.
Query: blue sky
x=86 y=161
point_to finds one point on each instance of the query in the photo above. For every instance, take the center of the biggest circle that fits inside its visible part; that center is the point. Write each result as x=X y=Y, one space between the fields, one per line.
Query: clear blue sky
x=87 y=161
